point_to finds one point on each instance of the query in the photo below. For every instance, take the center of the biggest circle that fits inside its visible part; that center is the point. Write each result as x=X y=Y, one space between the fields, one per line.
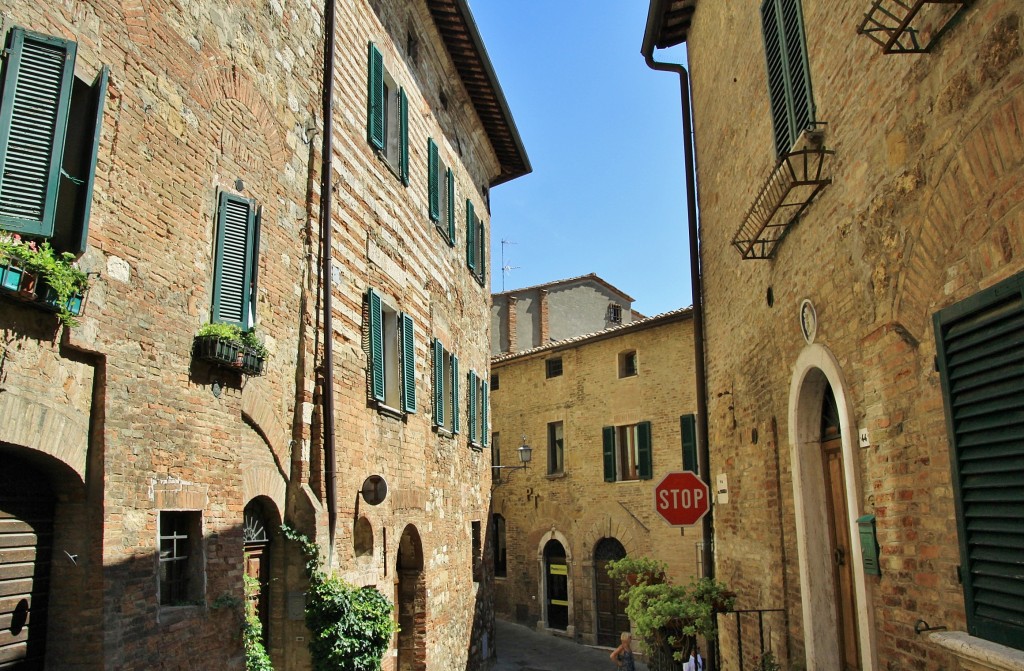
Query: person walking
x=623 y=655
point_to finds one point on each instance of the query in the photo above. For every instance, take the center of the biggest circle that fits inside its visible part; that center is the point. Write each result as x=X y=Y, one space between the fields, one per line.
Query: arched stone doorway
x=260 y=523
x=556 y=586
x=610 y=610
x=26 y=536
x=838 y=629
x=411 y=602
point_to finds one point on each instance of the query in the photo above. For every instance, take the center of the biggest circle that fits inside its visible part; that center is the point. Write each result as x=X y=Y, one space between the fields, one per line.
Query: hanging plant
x=44 y=274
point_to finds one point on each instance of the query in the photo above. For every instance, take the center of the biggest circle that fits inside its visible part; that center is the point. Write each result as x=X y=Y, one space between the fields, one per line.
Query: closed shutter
x=455 y=395
x=608 y=443
x=403 y=102
x=470 y=236
x=376 y=345
x=438 y=383
x=375 y=96
x=433 y=192
x=89 y=159
x=482 y=243
x=38 y=76
x=450 y=209
x=688 y=431
x=472 y=406
x=789 y=83
x=408 y=364
x=232 y=288
x=644 y=467
x=980 y=346
x=484 y=429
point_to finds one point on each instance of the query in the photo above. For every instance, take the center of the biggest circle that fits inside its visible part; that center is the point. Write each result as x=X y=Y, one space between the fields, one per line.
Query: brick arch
x=218 y=83
x=610 y=525
x=964 y=212
x=258 y=410
x=264 y=481
x=52 y=431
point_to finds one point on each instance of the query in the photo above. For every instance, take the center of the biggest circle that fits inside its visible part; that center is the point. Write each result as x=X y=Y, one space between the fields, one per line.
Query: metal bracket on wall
x=901 y=27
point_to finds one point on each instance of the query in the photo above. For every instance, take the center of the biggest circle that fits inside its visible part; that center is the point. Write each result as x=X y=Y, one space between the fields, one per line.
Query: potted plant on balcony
x=34 y=271
x=228 y=346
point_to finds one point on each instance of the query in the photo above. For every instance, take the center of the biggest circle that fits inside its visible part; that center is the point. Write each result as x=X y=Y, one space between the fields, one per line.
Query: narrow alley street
x=521 y=648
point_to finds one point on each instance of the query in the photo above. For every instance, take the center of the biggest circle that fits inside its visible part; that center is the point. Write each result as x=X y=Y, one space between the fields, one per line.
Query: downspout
x=703 y=451
x=326 y=257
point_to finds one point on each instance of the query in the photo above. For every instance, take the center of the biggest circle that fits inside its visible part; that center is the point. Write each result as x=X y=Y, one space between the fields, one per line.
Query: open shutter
x=980 y=347
x=403 y=102
x=482 y=244
x=376 y=345
x=472 y=407
x=232 y=278
x=450 y=209
x=608 y=442
x=470 y=236
x=484 y=428
x=408 y=365
x=433 y=191
x=375 y=95
x=644 y=467
x=38 y=76
x=789 y=82
x=799 y=78
x=455 y=394
x=438 y=383
x=89 y=158
x=688 y=431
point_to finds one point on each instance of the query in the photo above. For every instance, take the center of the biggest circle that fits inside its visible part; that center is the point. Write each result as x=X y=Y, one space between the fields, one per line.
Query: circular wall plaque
x=808 y=320
x=374 y=490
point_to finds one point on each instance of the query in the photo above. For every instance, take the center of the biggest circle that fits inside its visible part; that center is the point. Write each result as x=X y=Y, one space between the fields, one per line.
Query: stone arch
x=55 y=432
x=542 y=588
x=816 y=368
x=264 y=481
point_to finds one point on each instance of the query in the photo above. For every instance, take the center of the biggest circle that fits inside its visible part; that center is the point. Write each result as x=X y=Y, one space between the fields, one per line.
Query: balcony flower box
x=50 y=300
x=34 y=272
x=16 y=281
x=229 y=347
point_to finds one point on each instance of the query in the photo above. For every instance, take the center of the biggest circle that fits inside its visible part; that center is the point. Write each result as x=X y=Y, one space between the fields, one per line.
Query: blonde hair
x=625 y=635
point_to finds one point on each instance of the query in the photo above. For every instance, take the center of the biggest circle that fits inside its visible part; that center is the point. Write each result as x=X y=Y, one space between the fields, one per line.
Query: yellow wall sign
x=558 y=569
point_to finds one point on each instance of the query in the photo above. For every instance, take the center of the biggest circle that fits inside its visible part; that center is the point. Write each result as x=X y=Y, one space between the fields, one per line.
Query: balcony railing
x=909 y=26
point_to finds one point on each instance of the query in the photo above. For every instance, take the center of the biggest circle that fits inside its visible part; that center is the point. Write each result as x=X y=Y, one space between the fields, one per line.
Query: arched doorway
x=411 y=602
x=556 y=592
x=260 y=520
x=611 y=611
x=26 y=536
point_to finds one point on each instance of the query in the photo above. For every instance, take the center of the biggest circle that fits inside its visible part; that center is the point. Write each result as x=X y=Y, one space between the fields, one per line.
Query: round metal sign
x=374 y=490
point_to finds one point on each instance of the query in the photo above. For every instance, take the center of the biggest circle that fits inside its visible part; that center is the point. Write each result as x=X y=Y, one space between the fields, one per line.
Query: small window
x=362 y=538
x=495 y=384
x=477 y=551
x=388 y=116
x=556 y=449
x=181 y=558
x=627 y=452
x=446 y=389
x=615 y=313
x=392 y=357
x=627 y=364
x=476 y=244
x=441 y=193
x=500 y=549
x=495 y=457
x=553 y=367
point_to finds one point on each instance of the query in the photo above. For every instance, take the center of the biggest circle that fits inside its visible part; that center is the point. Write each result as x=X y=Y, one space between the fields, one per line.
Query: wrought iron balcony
x=906 y=26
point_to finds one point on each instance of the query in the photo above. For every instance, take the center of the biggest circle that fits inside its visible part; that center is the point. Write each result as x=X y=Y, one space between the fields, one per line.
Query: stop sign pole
x=682 y=499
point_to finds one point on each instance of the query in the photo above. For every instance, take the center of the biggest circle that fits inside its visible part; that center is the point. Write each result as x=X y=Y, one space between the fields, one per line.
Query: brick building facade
x=862 y=350
x=604 y=414
x=138 y=480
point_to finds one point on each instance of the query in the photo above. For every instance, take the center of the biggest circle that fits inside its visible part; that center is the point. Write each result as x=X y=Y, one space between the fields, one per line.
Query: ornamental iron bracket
x=901 y=27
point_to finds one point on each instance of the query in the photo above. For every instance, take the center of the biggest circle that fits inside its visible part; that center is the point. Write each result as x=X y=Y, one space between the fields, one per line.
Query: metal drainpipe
x=704 y=454
x=326 y=277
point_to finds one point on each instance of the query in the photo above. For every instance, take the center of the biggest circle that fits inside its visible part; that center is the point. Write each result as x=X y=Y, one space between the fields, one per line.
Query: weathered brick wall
x=924 y=210
x=580 y=505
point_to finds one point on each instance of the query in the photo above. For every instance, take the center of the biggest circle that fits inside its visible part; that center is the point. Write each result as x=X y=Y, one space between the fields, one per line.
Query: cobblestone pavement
x=523 y=649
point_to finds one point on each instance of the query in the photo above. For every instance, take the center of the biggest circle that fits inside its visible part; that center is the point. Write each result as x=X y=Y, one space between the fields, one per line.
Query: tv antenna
x=505 y=269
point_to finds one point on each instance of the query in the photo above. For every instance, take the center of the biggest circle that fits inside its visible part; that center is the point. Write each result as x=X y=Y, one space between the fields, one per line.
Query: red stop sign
x=681 y=498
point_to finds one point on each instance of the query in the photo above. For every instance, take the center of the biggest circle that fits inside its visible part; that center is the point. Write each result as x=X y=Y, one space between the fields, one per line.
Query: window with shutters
x=387 y=118
x=476 y=243
x=441 y=193
x=445 y=376
x=478 y=388
x=627 y=452
x=236 y=261
x=789 y=80
x=181 y=557
x=980 y=347
x=392 y=356
x=556 y=448
x=50 y=124
x=688 y=434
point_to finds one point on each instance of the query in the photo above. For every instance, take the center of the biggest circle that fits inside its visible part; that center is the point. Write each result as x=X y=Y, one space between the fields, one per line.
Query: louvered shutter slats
x=233 y=275
x=438 y=383
x=470 y=236
x=403 y=102
x=408 y=364
x=433 y=195
x=472 y=407
x=608 y=452
x=375 y=96
x=483 y=412
x=376 y=346
x=455 y=395
x=450 y=206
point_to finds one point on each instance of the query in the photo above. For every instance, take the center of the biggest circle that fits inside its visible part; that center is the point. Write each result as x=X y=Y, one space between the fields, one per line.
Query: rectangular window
x=500 y=547
x=236 y=261
x=789 y=79
x=50 y=126
x=387 y=119
x=441 y=193
x=980 y=347
x=627 y=452
x=615 y=313
x=688 y=433
x=445 y=379
x=477 y=549
x=476 y=243
x=627 y=363
x=553 y=367
x=180 y=557
x=495 y=457
x=392 y=355
x=556 y=449
x=495 y=383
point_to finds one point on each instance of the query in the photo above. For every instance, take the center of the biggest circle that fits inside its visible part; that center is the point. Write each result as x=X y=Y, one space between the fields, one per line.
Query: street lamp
x=525 y=454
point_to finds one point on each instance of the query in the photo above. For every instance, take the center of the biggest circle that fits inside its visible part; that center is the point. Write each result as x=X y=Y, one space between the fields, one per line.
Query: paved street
x=523 y=649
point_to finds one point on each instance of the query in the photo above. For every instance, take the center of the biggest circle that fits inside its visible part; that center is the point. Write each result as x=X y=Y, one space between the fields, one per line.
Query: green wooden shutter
x=980 y=347
x=89 y=158
x=801 y=104
x=482 y=243
x=644 y=467
x=688 y=431
x=455 y=394
x=450 y=214
x=789 y=83
x=433 y=191
x=484 y=428
x=404 y=157
x=472 y=406
x=376 y=345
x=438 y=383
x=232 y=278
x=608 y=441
x=408 y=364
x=38 y=76
x=470 y=236
x=375 y=96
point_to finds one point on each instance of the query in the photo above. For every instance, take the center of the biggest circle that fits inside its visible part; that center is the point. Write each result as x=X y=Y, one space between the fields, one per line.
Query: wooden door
x=257 y=565
x=611 y=610
x=838 y=519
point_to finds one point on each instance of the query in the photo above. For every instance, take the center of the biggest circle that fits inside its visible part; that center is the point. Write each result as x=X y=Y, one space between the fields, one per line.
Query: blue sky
x=604 y=135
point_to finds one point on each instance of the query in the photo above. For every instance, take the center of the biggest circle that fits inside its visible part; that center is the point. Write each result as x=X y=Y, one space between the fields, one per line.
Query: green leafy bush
x=256 y=657
x=350 y=627
x=55 y=269
x=236 y=335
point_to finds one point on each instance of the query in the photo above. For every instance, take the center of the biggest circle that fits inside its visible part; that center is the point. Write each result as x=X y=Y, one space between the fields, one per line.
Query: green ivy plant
x=666 y=615
x=256 y=657
x=350 y=627
x=236 y=335
x=56 y=269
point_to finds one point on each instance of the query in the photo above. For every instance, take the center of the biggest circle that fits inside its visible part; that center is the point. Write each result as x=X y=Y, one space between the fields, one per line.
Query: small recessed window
x=627 y=364
x=494 y=382
x=181 y=557
x=362 y=538
x=554 y=367
x=615 y=313
x=477 y=552
x=556 y=448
